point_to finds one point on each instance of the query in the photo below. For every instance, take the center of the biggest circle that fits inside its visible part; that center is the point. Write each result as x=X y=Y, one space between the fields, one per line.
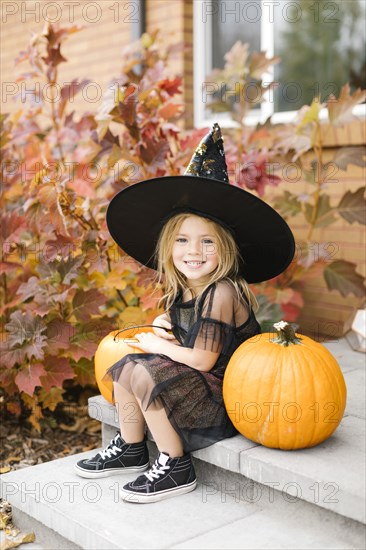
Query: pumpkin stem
x=286 y=334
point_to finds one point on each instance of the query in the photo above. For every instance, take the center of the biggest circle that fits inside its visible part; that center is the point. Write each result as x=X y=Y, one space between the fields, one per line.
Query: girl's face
x=195 y=250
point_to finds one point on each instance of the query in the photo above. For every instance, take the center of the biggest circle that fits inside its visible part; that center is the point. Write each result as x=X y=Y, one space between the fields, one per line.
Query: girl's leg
x=131 y=419
x=166 y=438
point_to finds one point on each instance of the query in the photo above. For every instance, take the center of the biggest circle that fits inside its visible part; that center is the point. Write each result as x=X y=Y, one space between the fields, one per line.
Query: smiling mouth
x=194 y=263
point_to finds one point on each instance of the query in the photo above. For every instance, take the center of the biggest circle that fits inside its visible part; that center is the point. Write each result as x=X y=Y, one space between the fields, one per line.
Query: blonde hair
x=227 y=269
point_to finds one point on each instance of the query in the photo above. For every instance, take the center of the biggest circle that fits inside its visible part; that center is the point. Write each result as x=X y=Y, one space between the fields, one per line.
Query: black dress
x=193 y=399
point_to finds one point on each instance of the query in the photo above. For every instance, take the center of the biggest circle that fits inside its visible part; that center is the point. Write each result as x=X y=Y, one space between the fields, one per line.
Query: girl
x=175 y=386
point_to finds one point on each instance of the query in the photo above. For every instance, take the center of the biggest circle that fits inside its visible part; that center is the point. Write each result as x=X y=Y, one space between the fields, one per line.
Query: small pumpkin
x=286 y=392
x=113 y=347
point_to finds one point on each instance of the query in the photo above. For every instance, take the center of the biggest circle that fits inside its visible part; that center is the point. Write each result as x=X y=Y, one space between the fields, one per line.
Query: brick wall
x=93 y=53
x=326 y=312
x=175 y=21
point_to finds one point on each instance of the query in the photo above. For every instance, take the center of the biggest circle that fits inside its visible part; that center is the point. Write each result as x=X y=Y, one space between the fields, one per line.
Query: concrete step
x=70 y=512
x=330 y=475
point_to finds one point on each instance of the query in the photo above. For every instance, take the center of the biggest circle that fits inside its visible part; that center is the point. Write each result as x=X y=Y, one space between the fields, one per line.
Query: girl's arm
x=196 y=358
x=165 y=322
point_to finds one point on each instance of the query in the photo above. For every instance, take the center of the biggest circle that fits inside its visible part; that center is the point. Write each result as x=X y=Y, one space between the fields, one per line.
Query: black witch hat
x=137 y=214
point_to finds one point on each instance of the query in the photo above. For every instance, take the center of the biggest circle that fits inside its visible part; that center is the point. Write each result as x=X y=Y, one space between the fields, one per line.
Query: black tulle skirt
x=192 y=399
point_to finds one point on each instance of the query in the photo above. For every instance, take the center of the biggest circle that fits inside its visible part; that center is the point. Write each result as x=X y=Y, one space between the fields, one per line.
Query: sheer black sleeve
x=220 y=315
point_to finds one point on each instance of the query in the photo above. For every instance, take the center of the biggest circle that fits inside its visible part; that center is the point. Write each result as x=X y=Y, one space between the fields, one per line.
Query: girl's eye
x=205 y=241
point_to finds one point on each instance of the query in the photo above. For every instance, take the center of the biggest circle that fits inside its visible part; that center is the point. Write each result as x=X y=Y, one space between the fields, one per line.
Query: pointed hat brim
x=136 y=215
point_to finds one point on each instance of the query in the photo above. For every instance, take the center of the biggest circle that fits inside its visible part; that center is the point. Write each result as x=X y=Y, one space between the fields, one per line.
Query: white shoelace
x=156 y=470
x=111 y=449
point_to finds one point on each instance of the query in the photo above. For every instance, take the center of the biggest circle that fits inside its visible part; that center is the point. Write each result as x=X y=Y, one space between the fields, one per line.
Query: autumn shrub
x=65 y=283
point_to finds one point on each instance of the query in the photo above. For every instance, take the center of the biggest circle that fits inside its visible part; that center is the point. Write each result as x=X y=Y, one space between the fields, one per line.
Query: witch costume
x=193 y=399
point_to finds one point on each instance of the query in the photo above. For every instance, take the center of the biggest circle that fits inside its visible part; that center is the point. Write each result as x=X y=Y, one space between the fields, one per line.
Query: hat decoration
x=137 y=214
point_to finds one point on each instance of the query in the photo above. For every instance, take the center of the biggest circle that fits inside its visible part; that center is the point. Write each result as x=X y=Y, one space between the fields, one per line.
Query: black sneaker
x=167 y=478
x=118 y=457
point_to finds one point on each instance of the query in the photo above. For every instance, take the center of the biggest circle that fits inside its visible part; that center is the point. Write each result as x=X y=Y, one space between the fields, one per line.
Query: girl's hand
x=148 y=342
x=163 y=321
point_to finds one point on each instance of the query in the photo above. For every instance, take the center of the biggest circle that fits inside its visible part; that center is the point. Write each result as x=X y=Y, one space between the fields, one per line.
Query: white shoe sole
x=111 y=472
x=130 y=496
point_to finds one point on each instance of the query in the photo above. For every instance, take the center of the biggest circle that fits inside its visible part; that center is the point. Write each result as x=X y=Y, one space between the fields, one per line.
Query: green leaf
x=84 y=370
x=69 y=269
x=310 y=114
x=341 y=275
x=268 y=313
x=324 y=215
x=350 y=155
x=288 y=204
x=352 y=206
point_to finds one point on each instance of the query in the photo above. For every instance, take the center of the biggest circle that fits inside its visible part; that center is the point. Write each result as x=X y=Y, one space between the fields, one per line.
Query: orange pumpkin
x=109 y=351
x=286 y=392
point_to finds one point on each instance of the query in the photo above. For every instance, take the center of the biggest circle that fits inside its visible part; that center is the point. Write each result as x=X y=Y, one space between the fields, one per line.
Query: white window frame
x=202 y=57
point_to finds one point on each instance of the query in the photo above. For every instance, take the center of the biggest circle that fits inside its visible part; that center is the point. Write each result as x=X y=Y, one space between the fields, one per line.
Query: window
x=321 y=44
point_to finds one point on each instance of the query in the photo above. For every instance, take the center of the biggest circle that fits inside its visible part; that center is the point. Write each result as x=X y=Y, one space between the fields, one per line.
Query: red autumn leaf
x=55 y=35
x=255 y=173
x=86 y=304
x=14 y=407
x=291 y=311
x=59 y=245
x=59 y=335
x=68 y=93
x=54 y=57
x=82 y=349
x=189 y=142
x=154 y=152
x=12 y=225
x=170 y=110
x=54 y=218
x=148 y=301
x=29 y=377
x=146 y=277
x=172 y=87
x=57 y=370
